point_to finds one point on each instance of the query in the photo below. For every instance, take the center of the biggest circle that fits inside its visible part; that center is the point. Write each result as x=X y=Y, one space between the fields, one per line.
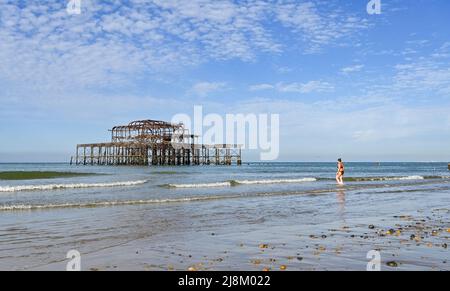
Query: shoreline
x=333 y=239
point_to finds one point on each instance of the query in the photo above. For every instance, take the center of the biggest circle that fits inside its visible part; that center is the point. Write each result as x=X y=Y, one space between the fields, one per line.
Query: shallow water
x=160 y=218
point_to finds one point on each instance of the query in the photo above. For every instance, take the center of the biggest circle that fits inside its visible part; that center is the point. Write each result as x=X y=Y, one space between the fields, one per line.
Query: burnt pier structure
x=153 y=142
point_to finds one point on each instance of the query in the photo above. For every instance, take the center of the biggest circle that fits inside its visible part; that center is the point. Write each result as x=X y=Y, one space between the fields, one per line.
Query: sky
x=344 y=83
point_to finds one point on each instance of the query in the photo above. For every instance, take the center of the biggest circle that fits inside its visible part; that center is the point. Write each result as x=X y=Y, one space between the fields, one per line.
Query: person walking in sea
x=340 y=172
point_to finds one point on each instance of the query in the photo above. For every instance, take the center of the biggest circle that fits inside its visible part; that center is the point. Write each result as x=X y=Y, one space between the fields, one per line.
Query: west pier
x=153 y=142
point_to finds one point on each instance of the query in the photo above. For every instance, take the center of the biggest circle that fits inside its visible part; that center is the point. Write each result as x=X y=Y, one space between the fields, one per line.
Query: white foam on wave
x=243 y=182
x=69 y=186
x=275 y=181
x=204 y=185
x=17 y=207
x=400 y=178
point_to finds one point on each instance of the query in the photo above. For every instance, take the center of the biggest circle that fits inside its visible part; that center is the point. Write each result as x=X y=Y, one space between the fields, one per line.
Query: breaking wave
x=242 y=182
x=368 y=179
x=68 y=186
x=274 y=181
x=111 y=203
x=204 y=185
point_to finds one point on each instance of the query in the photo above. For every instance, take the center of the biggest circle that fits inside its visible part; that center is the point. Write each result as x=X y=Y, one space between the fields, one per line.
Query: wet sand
x=331 y=231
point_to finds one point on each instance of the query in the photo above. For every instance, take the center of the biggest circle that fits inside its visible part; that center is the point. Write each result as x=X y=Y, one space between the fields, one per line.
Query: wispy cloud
x=113 y=43
x=296 y=87
x=261 y=87
x=304 y=88
x=317 y=25
x=205 y=88
x=352 y=69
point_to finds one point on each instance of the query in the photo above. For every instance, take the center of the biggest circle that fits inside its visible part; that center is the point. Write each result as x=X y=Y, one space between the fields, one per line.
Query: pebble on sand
x=283 y=267
x=371 y=226
x=256 y=262
x=192 y=269
x=392 y=264
x=263 y=246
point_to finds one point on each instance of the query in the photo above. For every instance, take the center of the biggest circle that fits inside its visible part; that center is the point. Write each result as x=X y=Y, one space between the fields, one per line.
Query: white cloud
x=371 y=128
x=416 y=79
x=261 y=87
x=316 y=27
x=205 y=88
x=112 y=43
x=304 y=88
x=428 y=77
x=352 y=69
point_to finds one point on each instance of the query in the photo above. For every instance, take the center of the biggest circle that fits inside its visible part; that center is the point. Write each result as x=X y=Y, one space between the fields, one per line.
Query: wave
x=14 y=207
x=390 y=178
x=69 y=186
x=204 y=185
x=274 y=181
x=95 y=204
x=241 y=182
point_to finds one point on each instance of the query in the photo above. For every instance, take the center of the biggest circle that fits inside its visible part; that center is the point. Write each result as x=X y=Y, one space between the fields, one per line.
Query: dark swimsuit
x=341 y=170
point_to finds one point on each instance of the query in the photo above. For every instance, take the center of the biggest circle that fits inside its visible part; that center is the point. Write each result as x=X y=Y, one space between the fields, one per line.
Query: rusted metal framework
x=153 y=142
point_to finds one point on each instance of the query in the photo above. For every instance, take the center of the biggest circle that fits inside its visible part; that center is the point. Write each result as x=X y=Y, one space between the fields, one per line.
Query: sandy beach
x=330 y=228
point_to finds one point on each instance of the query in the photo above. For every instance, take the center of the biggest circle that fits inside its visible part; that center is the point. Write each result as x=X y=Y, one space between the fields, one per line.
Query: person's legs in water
x=341 y=177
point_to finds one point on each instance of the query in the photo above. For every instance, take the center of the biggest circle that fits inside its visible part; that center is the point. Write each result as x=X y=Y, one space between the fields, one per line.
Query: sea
x=159 y=218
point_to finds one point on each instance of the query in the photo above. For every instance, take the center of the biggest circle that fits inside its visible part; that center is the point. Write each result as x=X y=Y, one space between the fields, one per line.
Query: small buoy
x=283 y=267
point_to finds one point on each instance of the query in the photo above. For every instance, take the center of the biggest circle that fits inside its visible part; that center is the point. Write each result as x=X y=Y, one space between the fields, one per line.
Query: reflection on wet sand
x=341 y=200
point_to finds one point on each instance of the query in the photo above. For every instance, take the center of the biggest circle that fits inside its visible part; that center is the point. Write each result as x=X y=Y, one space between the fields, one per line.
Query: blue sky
x=345 y=83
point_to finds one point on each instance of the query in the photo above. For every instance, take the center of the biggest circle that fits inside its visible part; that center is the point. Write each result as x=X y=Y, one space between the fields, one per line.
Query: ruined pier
x=153 y=142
